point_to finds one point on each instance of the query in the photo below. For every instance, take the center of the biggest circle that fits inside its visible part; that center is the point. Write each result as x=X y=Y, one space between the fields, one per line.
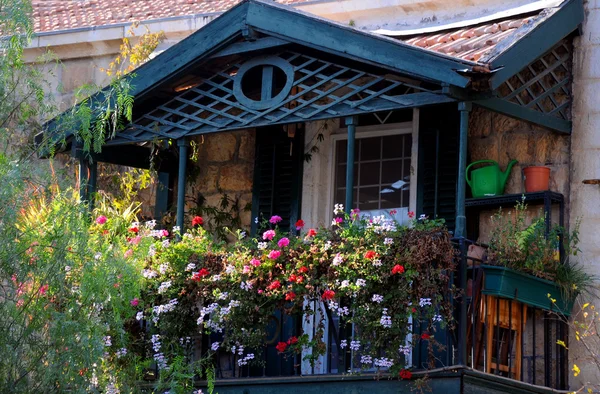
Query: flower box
x=507 y=283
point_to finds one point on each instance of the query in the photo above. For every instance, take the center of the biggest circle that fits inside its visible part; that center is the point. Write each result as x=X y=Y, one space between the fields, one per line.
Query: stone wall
x=497 y=137
x=585 y=164
x=225 y=165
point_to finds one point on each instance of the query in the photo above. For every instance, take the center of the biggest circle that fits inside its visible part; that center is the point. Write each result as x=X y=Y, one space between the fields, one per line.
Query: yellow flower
x=585 y=305
x=576 y=370
x=562 y=343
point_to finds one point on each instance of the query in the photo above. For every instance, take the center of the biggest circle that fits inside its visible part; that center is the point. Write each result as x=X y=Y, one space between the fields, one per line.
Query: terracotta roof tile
x=469 y=43
x=53 y=15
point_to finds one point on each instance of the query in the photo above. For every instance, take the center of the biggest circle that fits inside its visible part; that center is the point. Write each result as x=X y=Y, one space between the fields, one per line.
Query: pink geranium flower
x=255 y=262
x=246 y=269
x=164 y=233
x=101 y=219
x=275 y=219
x=269 y=234
x=43 y=289
x=134 y=302
x=283 y=242
x=274 y=254
x=135 y=240
x=128 y=253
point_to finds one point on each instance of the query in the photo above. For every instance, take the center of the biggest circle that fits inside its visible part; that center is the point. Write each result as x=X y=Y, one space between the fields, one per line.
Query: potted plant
x=526 y=264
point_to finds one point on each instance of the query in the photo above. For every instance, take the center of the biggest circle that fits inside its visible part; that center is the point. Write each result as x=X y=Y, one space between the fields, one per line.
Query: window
x=382 y=167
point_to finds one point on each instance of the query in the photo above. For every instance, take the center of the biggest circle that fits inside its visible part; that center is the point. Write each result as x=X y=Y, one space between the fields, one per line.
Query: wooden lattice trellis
x=545 y=84
x=311 y=89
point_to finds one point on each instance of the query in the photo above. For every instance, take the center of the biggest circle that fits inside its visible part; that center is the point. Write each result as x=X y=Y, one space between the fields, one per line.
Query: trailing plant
x=372 y=274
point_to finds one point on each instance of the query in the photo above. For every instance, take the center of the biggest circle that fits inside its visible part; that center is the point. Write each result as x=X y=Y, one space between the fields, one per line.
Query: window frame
x=383 y=130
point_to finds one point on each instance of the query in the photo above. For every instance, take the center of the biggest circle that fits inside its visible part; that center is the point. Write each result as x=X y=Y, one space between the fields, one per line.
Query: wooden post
x=182 y=143
x=351 y=122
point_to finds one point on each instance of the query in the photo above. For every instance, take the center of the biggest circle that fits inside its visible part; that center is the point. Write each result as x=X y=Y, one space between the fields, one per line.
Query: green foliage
x=199 y=285
x=65 y=286
x=22 y=86
x=221 y=218
x=529 y=249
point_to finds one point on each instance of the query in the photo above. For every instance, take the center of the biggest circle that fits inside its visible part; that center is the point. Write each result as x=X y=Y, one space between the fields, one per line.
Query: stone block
x=236 y=177
x=480 y=122
x=586 y=131
x=245 y=216
x=219 y=147
x=484 y=148
x=77 y=72
x=247 y=145
x=585 y=96
x=559 y=179
x=502 y=124
x=518 y=146
x=514 y=183
x=207 y=180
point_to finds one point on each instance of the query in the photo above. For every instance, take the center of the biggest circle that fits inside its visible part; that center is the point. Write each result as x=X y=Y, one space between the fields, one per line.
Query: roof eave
x=533 y=40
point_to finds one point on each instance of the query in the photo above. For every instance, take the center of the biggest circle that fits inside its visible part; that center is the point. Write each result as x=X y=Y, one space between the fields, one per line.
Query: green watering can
x=488 y=181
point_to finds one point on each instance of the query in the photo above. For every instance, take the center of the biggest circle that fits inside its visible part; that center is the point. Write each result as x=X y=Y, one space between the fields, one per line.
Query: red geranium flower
x=197 y=276
x=299 y=224
x=197 y=221
x=292 y=341
x=291 y=296
x=405 y=374
x=274 y=285
x=398 y=269
x=411 y=214
x=328 y=295
x=370 y=255
x=303 y=270
x=134 y=229
x=292 y=278
x=425 y=336
x=311 y=233
x=281 y=346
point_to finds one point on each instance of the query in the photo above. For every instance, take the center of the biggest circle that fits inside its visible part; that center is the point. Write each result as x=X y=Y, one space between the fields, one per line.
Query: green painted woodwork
x=438 y=162
x=532 y=43
x=527 y=114
x=507 y=283
x=351 y=122
x=181 y=182
x=245 y=47
x=161 y=204
x=312 y=31
x=448 y=380
x=277 y=185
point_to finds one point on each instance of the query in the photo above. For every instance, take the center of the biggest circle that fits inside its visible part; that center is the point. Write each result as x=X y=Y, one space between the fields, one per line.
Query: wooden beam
x=133 y=156
x=161 y=204
x=533 y=40
x=341 y=110
x=526 y=114
x=325 y=35
x=251 y=46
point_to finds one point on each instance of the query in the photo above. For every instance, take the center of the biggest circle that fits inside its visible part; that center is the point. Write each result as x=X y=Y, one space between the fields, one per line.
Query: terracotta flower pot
x=537 y=179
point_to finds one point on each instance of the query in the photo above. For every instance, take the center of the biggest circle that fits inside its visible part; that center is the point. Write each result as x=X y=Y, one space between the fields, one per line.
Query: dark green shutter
x=438 y=152
x=277 y=175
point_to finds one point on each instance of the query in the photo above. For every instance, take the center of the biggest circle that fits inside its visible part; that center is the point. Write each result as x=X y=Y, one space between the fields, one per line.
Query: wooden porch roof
x=334 y=70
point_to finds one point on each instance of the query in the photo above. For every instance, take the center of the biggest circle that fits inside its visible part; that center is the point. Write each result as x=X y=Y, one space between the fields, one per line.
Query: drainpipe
x=351 y=122
x=182 y=143
x=460 y=228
